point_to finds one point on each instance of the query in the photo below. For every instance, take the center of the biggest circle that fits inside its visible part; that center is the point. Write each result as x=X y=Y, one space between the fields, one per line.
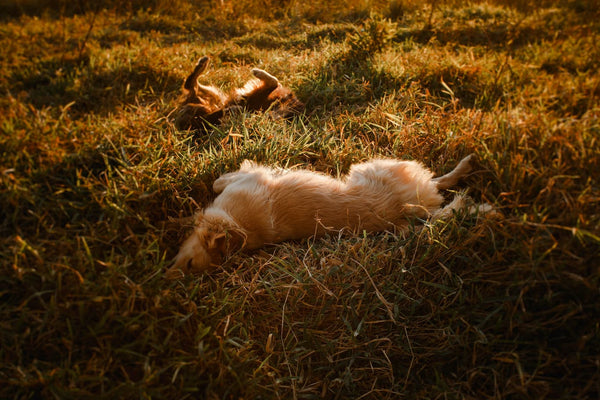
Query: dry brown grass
x=92 y=176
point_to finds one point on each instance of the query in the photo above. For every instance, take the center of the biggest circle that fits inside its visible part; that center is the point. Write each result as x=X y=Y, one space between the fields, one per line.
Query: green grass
x=94 y=180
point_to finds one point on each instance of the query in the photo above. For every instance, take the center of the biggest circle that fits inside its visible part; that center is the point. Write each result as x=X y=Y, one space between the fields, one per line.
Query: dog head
x=206 y=248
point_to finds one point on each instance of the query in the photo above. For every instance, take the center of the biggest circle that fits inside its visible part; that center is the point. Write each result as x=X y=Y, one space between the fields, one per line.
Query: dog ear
x=198 y=217
x=216 y=240
x=236 y=240
x=216 y=246
x=223 y=244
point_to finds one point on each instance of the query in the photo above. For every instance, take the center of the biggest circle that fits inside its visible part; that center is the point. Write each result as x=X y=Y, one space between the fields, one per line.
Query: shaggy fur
x=259 y=205
x=202 y=105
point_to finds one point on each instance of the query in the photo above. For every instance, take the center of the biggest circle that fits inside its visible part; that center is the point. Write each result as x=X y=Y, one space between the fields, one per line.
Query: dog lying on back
x=202 y=106
x=259 y=205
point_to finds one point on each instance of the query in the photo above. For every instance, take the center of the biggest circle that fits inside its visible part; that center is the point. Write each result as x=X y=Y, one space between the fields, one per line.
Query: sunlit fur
x=259 y=205
x=203 y=105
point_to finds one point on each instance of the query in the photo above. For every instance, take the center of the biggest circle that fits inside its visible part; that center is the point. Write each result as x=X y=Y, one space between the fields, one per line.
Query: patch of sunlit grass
x=96 y=185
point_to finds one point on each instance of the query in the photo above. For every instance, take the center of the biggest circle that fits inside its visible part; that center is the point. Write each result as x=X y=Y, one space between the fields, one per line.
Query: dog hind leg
x=451 y=178
x=190 y=82
x=268 y=80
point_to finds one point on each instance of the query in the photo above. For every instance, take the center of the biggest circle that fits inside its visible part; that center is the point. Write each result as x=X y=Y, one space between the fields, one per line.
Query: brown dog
x=202 y=106
x=259 y=205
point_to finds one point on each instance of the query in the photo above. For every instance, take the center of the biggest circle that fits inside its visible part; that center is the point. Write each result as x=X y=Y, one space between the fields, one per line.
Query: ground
x=95 y=183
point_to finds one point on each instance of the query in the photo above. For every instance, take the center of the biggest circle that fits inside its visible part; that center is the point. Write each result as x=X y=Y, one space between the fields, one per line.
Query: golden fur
x=203 y=105
x=259 y=205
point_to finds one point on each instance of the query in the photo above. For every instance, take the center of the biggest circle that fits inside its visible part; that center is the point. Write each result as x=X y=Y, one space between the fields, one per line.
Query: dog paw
x=468 y=160
x=265 y=77
x=202 y=62
x=174 y=273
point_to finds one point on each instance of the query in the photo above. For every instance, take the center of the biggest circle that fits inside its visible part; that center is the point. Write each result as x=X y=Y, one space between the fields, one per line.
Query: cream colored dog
x=259 y=205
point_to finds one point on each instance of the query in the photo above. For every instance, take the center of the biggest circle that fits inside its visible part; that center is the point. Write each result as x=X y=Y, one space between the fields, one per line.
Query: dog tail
x=190 y=82
x=451 y=178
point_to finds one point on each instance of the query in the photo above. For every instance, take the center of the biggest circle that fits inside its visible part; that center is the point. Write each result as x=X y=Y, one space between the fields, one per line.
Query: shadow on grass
x=493 y=36
x=351 y=78
x=296 y=37
x=61 y=82
x=89 y=194
x=10 y=9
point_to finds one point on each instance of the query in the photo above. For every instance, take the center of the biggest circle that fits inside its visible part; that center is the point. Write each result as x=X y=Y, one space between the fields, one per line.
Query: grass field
x=94 y=177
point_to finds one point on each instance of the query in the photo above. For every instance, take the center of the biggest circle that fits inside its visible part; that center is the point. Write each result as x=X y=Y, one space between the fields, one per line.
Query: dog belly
x=274 y=207
x=316 y=215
